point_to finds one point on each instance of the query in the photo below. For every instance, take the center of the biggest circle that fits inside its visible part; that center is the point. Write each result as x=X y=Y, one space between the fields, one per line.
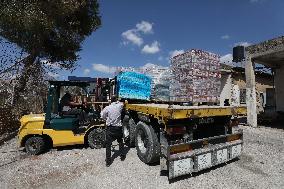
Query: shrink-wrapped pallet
x=132 y=85
x=161 y=87
x=160 y=81
x=195 y=77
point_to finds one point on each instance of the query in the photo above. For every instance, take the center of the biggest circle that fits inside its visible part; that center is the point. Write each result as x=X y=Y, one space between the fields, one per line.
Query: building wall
x=263 y=81
x=226 y=87
x=279 y=89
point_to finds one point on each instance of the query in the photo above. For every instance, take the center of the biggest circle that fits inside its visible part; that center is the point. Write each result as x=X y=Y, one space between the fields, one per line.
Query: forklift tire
x=147 y=143
x=96 y=138
x=35 y=145
x=129 y=128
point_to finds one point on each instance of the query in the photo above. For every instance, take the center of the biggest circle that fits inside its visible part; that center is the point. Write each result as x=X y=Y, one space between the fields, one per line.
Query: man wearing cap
x=112 y=115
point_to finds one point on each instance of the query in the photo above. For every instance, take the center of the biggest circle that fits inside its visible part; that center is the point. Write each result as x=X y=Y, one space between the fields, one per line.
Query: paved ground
x=261 y=166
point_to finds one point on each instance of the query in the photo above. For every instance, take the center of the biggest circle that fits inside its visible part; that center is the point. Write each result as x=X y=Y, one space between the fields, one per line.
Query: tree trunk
x=24 y=77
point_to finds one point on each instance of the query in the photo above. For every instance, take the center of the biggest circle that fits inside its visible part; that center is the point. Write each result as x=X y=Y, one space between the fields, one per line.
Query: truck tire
x=147 y=143
x=129 y=128
x=35 y=145
x=96 y=138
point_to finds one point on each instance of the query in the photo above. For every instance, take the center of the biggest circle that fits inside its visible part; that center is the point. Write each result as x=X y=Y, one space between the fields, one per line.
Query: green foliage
x=48 y=33
x=50 y=29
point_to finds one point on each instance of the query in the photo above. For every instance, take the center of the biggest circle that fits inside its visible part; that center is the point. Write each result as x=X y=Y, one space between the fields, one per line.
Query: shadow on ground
x=71 y=147
x=274 y=124
x=116 y=153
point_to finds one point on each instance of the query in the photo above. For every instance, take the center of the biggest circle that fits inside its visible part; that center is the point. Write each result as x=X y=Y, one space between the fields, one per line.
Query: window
x=243 y=96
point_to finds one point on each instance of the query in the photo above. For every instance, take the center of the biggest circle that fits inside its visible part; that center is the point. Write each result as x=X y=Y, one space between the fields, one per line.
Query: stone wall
x=262 y=82
x=266 y=47
x=279 y=89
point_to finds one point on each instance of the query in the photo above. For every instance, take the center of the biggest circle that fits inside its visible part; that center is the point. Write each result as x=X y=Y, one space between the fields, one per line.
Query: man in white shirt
x=112 y=115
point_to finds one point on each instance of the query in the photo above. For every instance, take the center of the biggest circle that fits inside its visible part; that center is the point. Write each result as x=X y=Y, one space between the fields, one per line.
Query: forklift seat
x=68 y=116
x=64 y=123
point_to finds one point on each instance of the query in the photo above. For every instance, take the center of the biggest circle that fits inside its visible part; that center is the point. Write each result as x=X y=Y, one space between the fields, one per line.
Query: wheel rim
x=98 y=139
x=33 y=146
x=142 y=141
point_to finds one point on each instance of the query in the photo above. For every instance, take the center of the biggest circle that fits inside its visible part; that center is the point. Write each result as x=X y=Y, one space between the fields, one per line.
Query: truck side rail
x=182 y=112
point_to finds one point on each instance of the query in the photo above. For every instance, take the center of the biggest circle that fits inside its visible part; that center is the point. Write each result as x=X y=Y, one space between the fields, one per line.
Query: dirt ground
x=260 y=166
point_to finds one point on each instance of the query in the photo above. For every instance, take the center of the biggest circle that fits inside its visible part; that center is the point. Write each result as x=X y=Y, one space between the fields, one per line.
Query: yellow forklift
x=40 y=132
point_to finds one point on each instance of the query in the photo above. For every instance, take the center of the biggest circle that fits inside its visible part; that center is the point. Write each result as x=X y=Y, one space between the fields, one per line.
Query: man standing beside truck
x=112 y=115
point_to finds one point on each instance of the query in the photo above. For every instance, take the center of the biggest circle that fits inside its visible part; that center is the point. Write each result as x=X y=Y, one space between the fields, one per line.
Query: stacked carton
x=160 y=82
x=160 y=89
x=195 y=77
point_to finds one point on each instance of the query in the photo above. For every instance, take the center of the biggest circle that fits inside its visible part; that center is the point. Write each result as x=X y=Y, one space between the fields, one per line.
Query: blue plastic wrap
x=132 y=85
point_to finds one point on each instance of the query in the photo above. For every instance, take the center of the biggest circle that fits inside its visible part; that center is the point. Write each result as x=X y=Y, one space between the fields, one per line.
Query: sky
x=136 y=33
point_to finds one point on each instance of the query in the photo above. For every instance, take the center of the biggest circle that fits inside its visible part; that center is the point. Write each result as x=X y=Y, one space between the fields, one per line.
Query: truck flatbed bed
x=182 y=112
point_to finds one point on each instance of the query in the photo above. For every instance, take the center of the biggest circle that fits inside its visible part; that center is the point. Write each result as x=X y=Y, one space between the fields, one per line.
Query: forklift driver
x=69 y=107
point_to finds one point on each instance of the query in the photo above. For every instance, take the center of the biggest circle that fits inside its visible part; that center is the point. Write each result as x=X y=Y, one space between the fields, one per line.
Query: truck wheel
x=35 y=145
x=96 y=138
x=129 y=128
x=147 y=143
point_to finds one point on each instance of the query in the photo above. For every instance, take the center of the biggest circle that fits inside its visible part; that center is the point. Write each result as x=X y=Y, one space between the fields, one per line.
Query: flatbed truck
x=185 y=139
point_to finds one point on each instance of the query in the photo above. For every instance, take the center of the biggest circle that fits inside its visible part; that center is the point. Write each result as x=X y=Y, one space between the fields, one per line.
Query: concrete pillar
x=226 y=87
x=279 y=89
x=250 y=92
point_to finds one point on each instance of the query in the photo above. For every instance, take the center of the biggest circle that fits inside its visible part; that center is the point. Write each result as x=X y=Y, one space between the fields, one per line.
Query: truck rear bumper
x=198 y=159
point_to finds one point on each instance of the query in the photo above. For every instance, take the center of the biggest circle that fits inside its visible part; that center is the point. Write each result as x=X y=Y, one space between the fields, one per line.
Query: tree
x=47 y=30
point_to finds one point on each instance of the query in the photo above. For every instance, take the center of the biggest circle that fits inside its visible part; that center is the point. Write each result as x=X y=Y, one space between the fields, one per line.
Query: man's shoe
x=108 y=162
x=122 y=157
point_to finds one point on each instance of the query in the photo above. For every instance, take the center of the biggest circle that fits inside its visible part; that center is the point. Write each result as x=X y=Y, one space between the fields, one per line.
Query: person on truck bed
x=112 y=115
x=69 y=107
